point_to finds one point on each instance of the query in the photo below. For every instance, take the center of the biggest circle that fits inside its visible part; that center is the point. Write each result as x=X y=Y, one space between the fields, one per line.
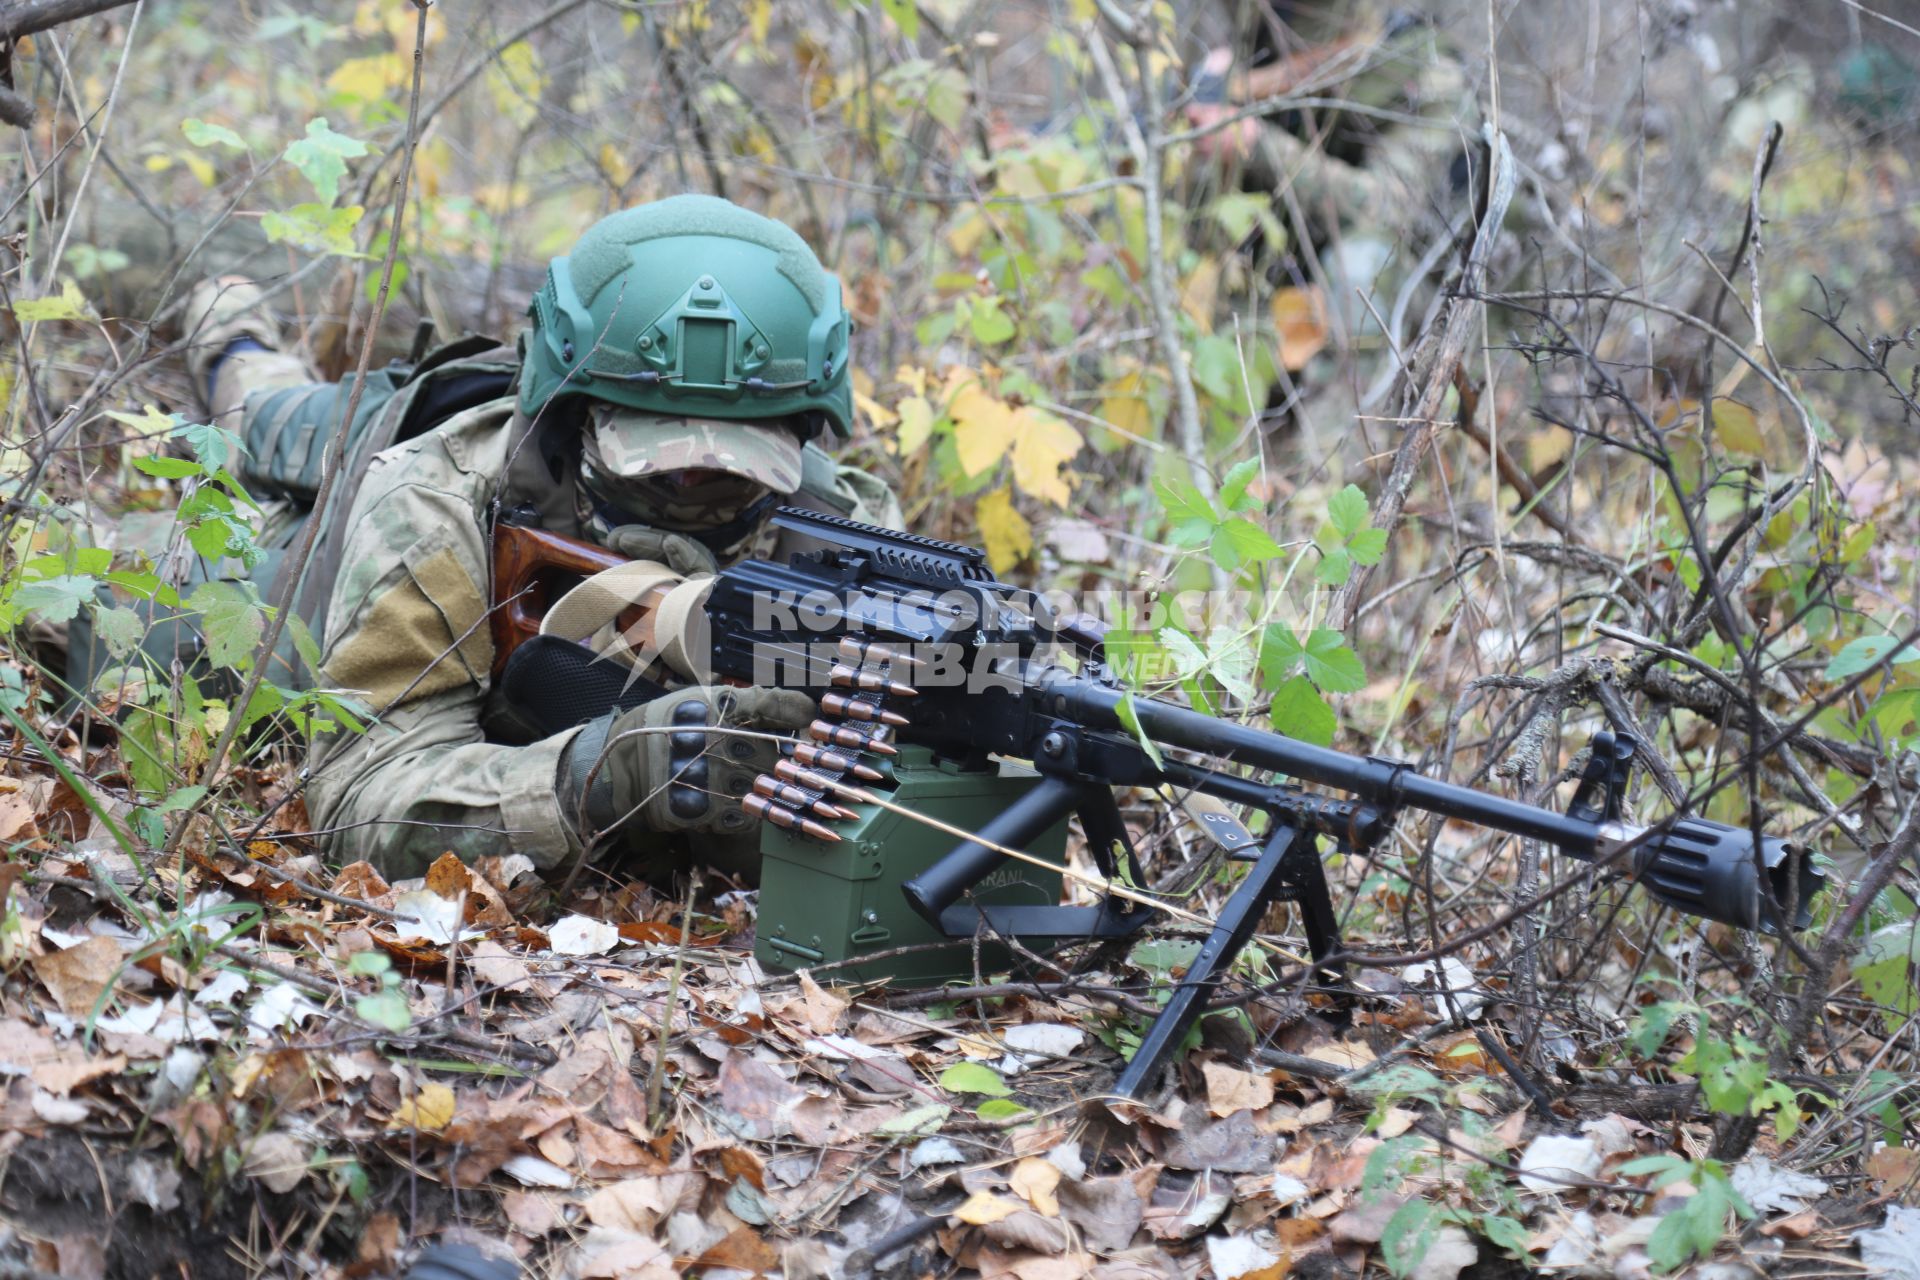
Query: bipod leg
x=1267 y=881
x=1307 y=877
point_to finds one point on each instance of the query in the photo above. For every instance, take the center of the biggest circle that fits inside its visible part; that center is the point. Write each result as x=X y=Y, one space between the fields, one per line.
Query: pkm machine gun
x=932 y=676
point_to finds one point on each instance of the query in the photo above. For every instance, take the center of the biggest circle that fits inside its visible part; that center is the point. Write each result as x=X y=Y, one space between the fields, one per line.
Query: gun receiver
x=910 y=640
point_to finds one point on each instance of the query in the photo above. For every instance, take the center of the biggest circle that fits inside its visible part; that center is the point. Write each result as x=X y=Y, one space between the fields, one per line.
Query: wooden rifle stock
x=532 y=568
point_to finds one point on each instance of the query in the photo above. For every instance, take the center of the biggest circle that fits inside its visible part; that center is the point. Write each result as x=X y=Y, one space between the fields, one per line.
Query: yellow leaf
x=199 y=166
x=871 y=409
x=70 y=305
x=983 y=427
x=368 y=79
x=1042 y=444
x=966 y=233
x=515 y=81
x=983 y=1207
x=399 y=21
x=1300 y=319
x=430 y=162
x=159 y=163
x=1124 y=405
x=1198 y=293
x=913 y=377
x=1547 y=445
x=760 y=21
x=916 y=424
x=1737 y=427
x=428 y=1110
x=1033 y=1180
x=1004 y=531
x=148 y=422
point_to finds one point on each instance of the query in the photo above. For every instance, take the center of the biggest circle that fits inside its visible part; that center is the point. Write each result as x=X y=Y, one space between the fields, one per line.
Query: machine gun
x=932 y=676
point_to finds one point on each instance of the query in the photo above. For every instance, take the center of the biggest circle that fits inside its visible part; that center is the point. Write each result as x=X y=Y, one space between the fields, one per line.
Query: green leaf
x=1671 y=1244
x=267 y=699
x=1300 y=712
x=121 y=628
x=1280 y=652
x=1236 y=542
x=1230 y=660
x=905 y=15
x=231 y=622
x=1347 y=511
x=212 y=445
x=1129 y=718
x=1866 y=652
x=1368 y=545
x=973 y=1077
x=202 y=134
x=1193 y=517
x=1001 y=1109
x=184 y=798
x=1335 y=566
x=169 y=468
x=917 y=1122
x=303 y=642
x=946 y=96
x=367 y=964
x=1331 y=665
x=1886 y=970
x=93 y=560
x=990 y=325
x=1650 y=1028
x=71 y=304
x=1188 y=656
x=1509 y=1234
x=389 y=1009
x=1164 y=955
x=322 y=157
x=1409 y=1233
x=316 y=227
x=1233 y=489
x=57 y=599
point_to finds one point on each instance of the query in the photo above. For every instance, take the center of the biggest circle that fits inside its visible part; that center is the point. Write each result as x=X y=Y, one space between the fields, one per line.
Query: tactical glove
x=677 y=551
x=681 y=771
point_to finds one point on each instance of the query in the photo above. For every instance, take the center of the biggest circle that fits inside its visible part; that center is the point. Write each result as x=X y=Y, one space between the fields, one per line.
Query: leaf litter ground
x=267 y=1069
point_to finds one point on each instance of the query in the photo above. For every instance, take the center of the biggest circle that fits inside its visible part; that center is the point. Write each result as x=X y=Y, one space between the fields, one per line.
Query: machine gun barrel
x=1707 y=869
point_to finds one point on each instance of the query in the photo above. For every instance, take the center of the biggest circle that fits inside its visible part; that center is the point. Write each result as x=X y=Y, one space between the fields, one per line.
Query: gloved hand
x=677 y=551
x=682 y=772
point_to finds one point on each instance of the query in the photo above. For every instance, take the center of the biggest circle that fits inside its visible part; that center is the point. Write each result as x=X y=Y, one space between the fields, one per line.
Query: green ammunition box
x=822 y=903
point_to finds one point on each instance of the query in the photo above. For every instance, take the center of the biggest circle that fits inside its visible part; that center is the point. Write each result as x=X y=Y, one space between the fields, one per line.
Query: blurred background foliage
x=1030 y=203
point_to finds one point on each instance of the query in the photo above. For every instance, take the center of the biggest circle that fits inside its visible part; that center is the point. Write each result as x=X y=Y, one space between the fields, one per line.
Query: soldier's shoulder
x=471 y=447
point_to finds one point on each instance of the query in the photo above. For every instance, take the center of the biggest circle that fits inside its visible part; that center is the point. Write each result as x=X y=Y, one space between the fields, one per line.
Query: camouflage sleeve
x=873 y=501
x=407 y=629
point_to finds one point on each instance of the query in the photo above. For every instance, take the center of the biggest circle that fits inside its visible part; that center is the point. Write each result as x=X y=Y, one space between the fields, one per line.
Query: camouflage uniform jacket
x=407 y=627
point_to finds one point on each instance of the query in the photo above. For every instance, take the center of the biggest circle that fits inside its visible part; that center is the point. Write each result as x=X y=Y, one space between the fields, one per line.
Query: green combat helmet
x=691 y=307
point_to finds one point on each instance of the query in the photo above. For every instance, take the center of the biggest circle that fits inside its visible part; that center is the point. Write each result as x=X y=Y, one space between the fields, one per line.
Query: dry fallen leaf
x=636 y=1204
x=1230 y=1089
x=1347 y=1054
x=277 y=1160
x=1300 y=320
x=428 y=1110
x=583 y=936
x=983 y=1207
x=1034 y=1180
x=77 y=975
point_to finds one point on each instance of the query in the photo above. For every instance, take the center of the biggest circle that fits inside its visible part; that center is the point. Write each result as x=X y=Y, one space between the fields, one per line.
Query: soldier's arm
x=407 y=628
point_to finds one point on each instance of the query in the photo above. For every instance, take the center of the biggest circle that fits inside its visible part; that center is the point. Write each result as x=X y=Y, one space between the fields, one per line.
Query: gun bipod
x=1287 y=870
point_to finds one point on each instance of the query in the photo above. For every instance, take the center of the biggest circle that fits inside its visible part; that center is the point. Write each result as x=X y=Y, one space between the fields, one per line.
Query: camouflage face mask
x=687 y=475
